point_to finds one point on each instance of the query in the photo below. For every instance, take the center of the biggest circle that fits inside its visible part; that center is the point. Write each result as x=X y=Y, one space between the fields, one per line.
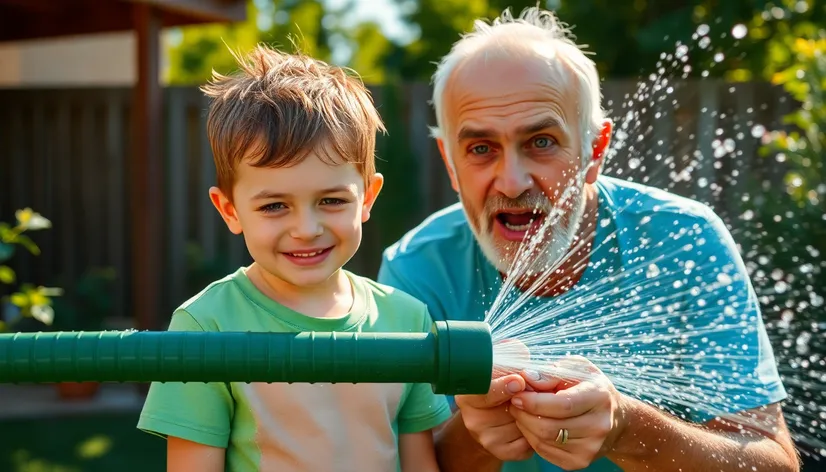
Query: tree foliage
x=627 y=38
x=195 y=51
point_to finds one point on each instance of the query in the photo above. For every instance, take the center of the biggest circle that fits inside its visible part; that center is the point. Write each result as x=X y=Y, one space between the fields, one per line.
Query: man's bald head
x=535 y=33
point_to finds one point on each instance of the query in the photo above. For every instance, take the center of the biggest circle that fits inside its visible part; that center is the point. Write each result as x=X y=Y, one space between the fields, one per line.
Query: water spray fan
x=455 y=357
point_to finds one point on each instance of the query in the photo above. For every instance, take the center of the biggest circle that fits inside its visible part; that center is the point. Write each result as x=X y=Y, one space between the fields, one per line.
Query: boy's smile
x=308 y=257
x=301 y=223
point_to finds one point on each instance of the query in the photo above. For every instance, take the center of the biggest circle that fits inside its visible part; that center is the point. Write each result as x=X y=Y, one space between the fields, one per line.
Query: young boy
x=293 y=140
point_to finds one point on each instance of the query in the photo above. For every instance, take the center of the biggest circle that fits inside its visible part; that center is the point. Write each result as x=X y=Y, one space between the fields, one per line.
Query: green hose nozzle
x=456 y=357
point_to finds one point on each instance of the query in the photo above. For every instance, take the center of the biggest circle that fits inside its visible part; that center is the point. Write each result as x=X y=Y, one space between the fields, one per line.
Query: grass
x=84 y=443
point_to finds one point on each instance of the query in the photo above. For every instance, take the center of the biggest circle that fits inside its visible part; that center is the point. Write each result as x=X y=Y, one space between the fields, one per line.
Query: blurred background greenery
x=395 y=43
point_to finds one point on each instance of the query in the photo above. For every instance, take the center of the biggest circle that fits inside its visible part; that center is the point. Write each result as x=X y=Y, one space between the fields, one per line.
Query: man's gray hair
x=537 y=25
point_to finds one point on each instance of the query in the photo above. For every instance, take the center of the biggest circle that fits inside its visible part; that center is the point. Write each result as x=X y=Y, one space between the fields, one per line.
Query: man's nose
x=307 y=225
x=512 y=177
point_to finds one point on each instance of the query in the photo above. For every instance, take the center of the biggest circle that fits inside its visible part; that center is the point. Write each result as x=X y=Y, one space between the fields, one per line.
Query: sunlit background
x=722 y=101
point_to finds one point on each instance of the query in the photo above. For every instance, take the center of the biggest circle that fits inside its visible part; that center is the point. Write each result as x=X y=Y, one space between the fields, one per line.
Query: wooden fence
x=63 y=152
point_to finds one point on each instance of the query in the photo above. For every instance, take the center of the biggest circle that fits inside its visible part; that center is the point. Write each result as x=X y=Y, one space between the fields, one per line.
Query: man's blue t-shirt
x=665 y=307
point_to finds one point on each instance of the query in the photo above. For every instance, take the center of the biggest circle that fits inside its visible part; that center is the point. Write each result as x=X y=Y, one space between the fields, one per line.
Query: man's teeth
x=518 y=227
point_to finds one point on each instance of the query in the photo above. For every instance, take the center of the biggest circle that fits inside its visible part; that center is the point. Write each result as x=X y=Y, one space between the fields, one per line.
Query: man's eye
x=480 y=149
x=542 y=142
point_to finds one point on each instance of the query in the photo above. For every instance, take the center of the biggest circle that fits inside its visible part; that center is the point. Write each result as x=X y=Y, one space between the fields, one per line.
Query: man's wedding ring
x=562 y=437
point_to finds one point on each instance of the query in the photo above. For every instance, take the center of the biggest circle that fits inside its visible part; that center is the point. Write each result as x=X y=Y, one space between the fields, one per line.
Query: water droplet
x=757 y=131
x=702 y=30
x=778 y=13
x=739 y=31
x=653 y=271
x=633 y=163
x=724 y=279
x=719 y=57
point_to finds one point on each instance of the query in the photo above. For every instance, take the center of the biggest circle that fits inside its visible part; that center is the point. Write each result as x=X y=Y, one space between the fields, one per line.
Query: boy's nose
x=307 y=226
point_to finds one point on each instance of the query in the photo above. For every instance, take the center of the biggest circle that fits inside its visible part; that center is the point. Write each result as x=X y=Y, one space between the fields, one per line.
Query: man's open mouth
x=520 y=220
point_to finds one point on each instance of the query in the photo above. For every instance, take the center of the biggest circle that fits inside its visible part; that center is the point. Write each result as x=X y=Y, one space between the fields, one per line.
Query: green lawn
x=83 y=443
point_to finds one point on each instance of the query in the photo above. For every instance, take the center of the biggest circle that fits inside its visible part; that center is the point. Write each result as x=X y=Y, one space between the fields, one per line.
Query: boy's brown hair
x=280 y=107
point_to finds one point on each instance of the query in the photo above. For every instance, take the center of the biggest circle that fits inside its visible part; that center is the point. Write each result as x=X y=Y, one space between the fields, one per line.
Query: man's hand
x=578 y=399
x=489 y=422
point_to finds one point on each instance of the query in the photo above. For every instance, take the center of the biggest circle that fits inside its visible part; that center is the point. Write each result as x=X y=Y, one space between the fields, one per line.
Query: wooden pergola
x=36 y=19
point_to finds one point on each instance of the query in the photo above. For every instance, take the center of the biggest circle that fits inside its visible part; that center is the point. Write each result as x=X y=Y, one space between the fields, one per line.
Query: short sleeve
x=395 y=274
x=388 y=275
x=422 y=409
x=195 y=411
x=727 y=352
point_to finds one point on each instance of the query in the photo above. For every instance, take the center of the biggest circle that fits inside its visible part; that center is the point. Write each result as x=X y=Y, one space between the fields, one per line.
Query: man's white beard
x=542 y=251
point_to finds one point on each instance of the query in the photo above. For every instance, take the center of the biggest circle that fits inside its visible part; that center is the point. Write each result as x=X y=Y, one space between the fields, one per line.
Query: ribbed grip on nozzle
x=307 y=357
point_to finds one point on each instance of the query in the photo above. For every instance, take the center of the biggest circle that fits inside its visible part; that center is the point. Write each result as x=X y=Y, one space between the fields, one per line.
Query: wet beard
x=544 y=248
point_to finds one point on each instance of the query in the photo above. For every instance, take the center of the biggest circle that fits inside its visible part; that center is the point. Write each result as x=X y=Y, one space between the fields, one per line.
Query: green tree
x=628 y=37
x=772 y=31
x=372 y=53
x=194 y=51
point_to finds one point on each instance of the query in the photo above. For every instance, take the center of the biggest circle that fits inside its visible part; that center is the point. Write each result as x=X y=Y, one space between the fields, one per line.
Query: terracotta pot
x=77 y=390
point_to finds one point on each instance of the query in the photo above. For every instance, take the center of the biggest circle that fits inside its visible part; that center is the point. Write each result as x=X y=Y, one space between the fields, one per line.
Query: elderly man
x=679 y=373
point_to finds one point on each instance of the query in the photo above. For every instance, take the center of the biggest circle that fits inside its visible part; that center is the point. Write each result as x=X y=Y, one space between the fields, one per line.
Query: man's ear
x=600 y=147
x=371 y=193
x=446 y=159
x=226 y=209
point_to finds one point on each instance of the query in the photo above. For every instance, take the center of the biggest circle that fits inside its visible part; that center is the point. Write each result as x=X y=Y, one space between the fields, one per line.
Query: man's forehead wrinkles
x=490 y=125
x=500 y=107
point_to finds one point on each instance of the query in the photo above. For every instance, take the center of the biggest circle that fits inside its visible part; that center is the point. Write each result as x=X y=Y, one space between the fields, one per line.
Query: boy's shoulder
x=396 y=303
x=385 y=294
x=218 y=299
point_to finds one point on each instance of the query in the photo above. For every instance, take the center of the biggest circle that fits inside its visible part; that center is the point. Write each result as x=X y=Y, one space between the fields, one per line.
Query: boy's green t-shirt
x=302 y=427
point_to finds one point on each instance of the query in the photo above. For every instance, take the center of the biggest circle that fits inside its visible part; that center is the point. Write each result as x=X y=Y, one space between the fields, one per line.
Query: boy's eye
x=332 y=201
x=271 y=207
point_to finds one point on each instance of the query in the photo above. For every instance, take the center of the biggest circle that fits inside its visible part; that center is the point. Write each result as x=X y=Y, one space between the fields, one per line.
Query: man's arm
x=457 y=450
x=482 y=434
x=652 y=440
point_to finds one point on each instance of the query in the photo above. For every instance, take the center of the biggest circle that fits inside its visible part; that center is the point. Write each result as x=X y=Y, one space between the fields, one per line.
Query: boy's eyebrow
x=268 y=194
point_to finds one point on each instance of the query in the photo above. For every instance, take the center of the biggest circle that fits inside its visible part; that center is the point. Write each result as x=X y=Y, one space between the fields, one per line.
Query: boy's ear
x=226 y=209
x=371 y=192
